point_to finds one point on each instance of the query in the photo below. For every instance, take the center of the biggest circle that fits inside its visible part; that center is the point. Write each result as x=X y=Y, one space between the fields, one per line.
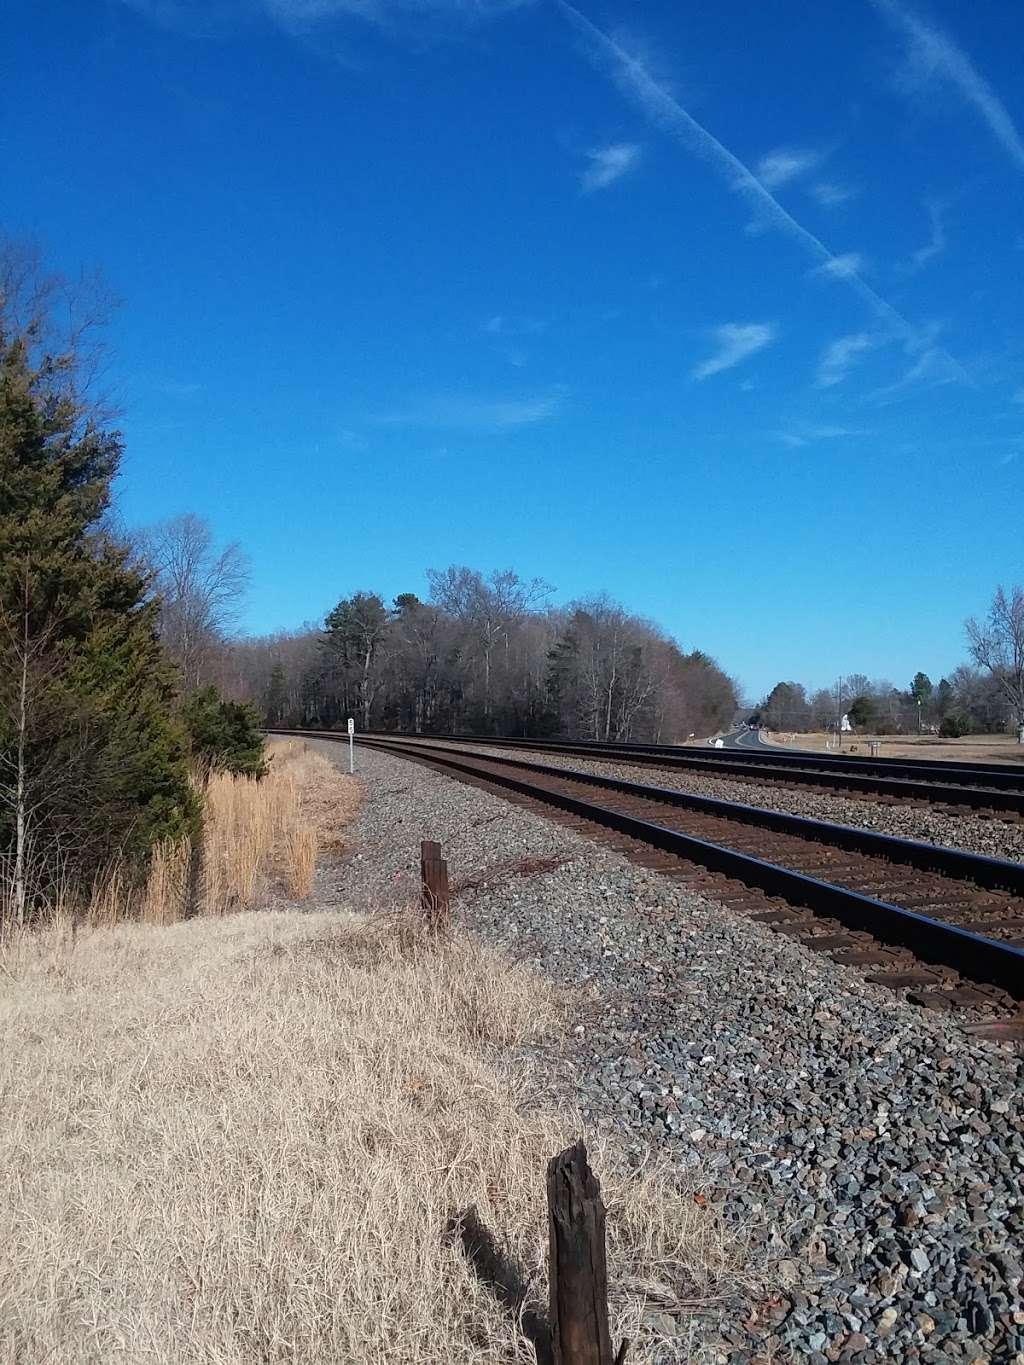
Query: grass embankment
x=967 y=749
x=241 y=1138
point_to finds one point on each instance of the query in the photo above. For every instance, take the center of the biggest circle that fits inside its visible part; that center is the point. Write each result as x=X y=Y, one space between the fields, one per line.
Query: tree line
x=984 y=696
x=485 y=654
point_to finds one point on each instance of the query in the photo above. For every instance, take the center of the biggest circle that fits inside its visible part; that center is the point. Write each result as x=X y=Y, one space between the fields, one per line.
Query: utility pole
x=839 y=714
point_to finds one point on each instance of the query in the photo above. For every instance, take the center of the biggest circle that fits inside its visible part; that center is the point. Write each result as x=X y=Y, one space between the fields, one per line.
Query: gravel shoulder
x=994 y=838
x=871 y=1153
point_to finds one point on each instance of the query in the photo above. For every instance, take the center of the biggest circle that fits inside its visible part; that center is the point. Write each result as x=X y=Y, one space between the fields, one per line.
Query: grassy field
x=969 y=749
x=243 y=1137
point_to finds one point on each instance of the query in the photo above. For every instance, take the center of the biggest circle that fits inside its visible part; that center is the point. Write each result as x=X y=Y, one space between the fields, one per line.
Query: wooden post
x=434 y=883
x=577 y=1272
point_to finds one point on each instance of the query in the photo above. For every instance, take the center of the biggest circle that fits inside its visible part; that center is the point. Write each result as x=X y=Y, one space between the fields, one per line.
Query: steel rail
x=992 y=873
x=940 y=789
x=1005 y=774
x=972 y=955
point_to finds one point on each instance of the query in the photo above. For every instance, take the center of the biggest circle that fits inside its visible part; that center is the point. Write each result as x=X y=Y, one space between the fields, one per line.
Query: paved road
x=743 y=739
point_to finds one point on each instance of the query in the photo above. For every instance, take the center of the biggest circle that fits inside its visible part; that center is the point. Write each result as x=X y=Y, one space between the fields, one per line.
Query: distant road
x=744 y=739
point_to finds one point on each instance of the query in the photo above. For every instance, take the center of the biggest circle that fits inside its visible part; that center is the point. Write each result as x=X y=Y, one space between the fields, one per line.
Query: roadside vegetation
x=983 y=697
x=106 y=751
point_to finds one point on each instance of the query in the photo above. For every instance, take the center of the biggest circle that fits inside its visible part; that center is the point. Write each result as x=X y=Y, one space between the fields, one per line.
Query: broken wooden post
x=577 y=1272
x=434 y=883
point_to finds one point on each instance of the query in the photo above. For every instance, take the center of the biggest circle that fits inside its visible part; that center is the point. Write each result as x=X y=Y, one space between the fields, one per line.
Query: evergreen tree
x=224 y=735
x=921 y=688
x=93 y=762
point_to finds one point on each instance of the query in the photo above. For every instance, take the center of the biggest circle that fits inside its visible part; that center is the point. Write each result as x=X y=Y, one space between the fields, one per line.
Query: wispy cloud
x=936 y=243
x=608 y=164
x=176 y=388
x=840 y=356
x=633 y=77
x=301 y=16
x=207 y=18
x=735 y=341
x=507 y=332
x=933 y=54
x=508 y=325
x=471 y=412
x=932 y=368
x=807 y=434
x=785 y=164
x=845 y=267
x=1009 y=459
x=829 y=193
x=383 y=11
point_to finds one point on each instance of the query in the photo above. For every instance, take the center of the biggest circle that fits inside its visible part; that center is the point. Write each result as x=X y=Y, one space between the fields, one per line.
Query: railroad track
x=992 y=790
x=944 y=925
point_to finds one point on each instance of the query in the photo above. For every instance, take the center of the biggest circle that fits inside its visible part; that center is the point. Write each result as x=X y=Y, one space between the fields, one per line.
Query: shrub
x=953 y=727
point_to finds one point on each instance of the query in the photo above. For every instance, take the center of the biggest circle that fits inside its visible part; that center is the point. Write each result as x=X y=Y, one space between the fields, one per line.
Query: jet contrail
x=665 y=110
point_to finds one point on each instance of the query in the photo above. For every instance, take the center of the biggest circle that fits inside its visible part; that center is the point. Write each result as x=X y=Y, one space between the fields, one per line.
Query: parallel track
x=918 y=916
x=993 y=789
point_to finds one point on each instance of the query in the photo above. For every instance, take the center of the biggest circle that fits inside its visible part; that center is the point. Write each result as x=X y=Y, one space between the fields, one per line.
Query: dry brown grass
x=261 y=834
x=165 y=899
x=967 y=749
x=241 y=1140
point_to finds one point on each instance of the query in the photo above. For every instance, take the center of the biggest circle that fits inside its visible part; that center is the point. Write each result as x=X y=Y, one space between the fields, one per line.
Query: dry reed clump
x=165 y=899
x=243 y=1139
x=257 y=836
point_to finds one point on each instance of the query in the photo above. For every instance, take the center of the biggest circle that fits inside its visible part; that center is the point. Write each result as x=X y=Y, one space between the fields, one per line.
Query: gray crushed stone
x=872 y=1153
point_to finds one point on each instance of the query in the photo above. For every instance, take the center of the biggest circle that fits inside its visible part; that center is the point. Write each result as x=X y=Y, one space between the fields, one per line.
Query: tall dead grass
x=258 y=838
x=258 y=835
x=242 y=1139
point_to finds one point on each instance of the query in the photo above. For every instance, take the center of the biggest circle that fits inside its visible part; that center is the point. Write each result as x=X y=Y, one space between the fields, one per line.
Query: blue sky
x=714 y=307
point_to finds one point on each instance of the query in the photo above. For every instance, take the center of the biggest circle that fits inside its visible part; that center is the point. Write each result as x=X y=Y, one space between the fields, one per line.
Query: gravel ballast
x=873 y=1153
x=993 y=837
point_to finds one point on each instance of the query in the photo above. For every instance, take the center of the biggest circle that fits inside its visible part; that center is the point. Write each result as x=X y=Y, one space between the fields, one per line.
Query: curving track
x=993 y=789
x=946 y=925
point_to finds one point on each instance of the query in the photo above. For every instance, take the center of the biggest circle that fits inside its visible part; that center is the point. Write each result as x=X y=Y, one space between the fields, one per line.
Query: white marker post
x=351 y=745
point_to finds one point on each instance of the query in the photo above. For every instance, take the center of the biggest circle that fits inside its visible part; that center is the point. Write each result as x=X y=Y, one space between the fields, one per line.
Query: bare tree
x=998 y=646
x=21 y=654
x=489 y=607
x=200 y=588
x=61 y=319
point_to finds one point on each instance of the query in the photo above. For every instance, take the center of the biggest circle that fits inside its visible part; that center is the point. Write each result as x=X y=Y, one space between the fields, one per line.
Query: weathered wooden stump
x=577 y=1270
x=434 y=894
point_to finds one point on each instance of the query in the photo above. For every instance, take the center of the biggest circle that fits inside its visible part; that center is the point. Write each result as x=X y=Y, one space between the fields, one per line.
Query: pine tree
x=93 y=761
